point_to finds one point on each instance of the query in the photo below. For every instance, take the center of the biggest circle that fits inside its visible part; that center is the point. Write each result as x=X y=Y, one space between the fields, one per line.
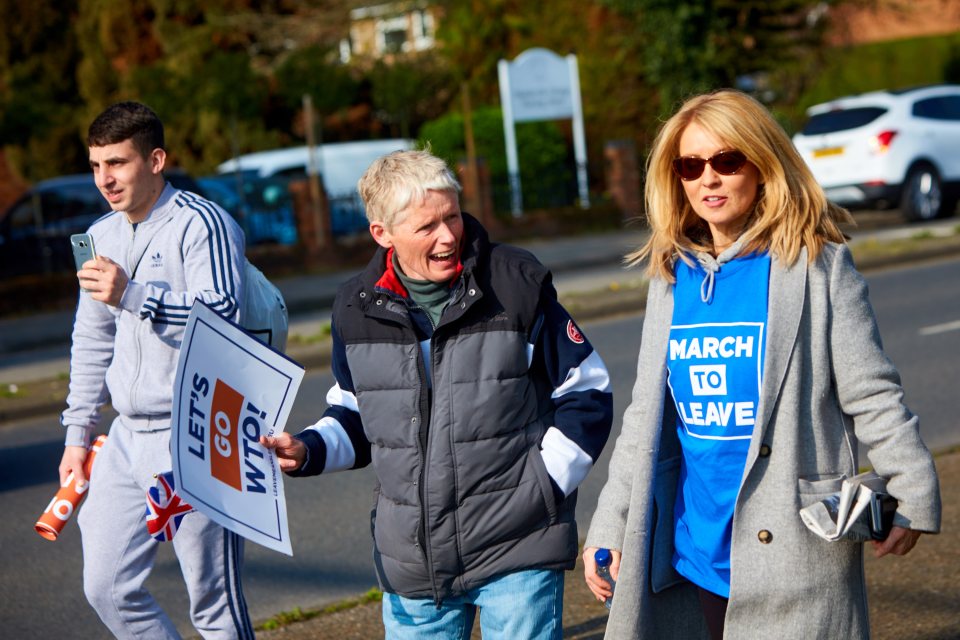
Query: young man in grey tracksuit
x=157 y=251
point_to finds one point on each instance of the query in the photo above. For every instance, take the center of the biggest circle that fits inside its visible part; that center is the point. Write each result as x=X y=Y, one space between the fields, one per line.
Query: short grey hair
x=401 y=179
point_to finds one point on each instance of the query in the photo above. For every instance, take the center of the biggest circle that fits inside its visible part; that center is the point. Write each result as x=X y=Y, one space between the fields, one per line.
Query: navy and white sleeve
x=337 y=441
x=582 y=398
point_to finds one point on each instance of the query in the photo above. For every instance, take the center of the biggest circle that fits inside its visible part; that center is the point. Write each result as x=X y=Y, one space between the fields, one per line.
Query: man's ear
x=158 y=159
x=380 y=235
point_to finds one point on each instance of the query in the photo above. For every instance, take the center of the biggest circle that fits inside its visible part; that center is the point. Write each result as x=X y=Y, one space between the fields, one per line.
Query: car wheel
x=922 y=194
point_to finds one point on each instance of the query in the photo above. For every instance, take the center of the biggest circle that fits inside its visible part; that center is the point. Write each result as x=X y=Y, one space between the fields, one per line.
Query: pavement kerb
x=47 y=397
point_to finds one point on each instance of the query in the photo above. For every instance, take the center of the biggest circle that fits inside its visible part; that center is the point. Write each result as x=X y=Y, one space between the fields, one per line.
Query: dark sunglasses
x=725 y=163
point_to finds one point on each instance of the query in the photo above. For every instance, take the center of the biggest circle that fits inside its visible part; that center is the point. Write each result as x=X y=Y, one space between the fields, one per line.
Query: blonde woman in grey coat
x=760 y=370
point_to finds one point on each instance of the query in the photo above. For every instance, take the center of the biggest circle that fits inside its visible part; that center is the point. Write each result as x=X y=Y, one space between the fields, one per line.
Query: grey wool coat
x=826 y=384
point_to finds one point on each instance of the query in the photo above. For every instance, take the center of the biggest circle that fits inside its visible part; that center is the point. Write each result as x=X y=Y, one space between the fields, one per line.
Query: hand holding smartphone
x=83 y=250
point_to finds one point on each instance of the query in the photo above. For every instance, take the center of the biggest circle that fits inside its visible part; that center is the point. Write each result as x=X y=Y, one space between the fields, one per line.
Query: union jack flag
x=165 y=509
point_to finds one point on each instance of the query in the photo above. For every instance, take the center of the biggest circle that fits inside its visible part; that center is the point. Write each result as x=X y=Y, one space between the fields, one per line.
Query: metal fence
x=551 y=190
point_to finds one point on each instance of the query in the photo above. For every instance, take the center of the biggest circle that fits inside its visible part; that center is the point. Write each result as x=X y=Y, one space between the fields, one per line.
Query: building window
x=388 y=29
x=392 y=35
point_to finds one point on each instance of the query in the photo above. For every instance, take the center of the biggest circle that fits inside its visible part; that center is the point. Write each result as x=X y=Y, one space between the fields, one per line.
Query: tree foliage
x=476 y=34
x=228 y=75
x=209 y=70
x=410 y=91
x=38 y=94
x=311 y=71
x=691 y=46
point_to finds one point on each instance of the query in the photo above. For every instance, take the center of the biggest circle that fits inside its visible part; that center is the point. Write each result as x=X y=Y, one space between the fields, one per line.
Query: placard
x=230 y=389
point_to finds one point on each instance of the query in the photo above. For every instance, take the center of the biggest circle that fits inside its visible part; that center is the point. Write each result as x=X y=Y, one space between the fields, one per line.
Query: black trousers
x=714 y=609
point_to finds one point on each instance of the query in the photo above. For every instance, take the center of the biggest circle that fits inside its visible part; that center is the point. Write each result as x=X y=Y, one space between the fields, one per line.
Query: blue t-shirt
x=715 y=367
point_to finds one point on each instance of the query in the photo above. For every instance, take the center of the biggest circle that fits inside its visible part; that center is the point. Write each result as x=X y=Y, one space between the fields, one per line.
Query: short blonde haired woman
x=760 y=368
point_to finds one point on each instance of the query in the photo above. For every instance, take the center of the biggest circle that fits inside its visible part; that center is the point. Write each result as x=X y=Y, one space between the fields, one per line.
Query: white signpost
x=230 y=389
x=540 y=85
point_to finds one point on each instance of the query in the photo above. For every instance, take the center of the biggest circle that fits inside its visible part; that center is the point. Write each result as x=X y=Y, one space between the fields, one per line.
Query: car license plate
x=827 y=151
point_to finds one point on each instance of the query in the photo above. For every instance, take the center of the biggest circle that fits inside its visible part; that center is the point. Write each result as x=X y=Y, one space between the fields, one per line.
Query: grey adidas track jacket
x=187 y=248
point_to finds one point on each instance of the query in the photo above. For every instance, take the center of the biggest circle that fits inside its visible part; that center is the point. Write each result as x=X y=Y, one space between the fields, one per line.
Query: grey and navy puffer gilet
x=463 y=494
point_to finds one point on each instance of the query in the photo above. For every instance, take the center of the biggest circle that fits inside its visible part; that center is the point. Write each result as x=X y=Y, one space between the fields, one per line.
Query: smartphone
x=883 y=506
x=83 y=249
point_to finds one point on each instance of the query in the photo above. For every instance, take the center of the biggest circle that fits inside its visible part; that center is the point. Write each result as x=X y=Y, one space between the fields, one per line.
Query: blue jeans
x=524 y=605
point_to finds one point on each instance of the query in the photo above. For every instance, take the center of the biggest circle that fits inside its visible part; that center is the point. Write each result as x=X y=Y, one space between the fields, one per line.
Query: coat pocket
x=546 y=486
x=812 y=489
x=662 y=574
x=511 y=511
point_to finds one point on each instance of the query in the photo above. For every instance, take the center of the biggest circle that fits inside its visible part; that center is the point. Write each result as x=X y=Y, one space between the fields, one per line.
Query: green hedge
x=884 y=65
x=544 y=155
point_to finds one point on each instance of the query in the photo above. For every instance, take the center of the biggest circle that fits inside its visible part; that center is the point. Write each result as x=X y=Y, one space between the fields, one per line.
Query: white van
x=340 y=164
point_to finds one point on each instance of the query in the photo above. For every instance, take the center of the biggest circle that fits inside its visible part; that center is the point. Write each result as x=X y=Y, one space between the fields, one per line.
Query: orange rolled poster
x=68 y=498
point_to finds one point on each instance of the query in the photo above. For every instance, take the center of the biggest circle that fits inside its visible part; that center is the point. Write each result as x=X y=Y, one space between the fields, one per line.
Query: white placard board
x=230 y=389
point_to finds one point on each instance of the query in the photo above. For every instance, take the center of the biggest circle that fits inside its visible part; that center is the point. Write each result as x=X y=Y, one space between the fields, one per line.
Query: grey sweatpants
x=118 y=553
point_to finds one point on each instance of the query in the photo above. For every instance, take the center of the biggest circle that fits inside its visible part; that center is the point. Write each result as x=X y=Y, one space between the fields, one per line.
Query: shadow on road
x=29 y=465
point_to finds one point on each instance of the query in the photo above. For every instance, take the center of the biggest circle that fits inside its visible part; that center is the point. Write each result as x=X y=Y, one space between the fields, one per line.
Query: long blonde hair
x=791 y=212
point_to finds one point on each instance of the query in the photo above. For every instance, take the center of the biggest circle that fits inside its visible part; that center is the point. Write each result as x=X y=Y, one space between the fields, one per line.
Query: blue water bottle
x=603 y=558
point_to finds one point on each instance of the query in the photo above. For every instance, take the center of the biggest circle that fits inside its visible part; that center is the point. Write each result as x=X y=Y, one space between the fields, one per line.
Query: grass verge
x=296 y=614
x=320 y=336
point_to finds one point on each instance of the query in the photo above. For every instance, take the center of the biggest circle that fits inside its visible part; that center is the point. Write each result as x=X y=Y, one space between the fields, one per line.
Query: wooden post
x=623 y=177
x=313 y=175
x=474 y=204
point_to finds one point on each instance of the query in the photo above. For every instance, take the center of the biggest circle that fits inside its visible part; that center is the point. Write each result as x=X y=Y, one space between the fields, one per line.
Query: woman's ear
x=380 y=235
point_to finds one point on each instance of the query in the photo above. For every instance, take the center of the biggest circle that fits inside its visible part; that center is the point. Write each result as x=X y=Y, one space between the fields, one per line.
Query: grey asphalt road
x=40 y=594
x=918 y=310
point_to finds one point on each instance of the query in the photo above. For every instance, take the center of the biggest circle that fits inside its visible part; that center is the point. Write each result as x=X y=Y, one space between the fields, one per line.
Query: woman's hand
x=600 y=587
x=291 y=453
x=899 y=542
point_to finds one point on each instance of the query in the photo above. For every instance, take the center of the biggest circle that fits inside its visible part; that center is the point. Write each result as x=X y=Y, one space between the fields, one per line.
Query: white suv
x=887 y=149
